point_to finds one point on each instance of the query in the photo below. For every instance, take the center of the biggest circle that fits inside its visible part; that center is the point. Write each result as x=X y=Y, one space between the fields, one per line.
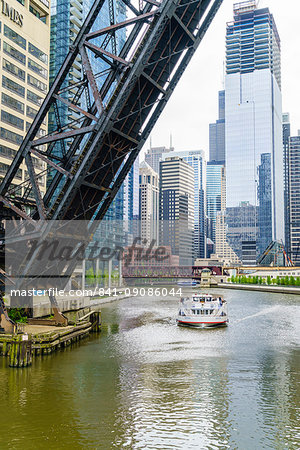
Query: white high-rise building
x=253 y=125
x=177 y=208
x=196 y=159
x=149 y=204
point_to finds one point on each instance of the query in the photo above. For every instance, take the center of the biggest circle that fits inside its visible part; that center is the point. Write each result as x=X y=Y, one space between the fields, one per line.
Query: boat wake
x=260 y=313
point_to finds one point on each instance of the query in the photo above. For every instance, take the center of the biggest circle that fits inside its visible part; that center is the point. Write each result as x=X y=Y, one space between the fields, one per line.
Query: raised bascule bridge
x=115 y=113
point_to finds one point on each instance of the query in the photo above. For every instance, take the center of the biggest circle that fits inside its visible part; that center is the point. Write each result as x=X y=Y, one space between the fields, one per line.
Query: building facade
x=131 y=201
x=148 y=204
x=196 y=159
x=177 y=208
x=242 y=231
x=155 y=154
x=264 y=236
x=253 y=114
x=294 y=197
x=217 y=133
x=215 y=176
x=25 y=49
x=286 y=133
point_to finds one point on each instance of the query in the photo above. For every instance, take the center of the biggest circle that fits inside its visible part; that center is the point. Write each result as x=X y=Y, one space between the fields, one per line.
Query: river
x=144 y=383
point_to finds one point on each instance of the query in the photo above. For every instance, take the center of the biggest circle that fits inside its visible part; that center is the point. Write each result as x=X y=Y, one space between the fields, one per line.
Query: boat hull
x=203 y=324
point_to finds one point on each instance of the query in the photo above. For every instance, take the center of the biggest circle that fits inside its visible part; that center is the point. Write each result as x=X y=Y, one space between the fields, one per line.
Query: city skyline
x=205 y=75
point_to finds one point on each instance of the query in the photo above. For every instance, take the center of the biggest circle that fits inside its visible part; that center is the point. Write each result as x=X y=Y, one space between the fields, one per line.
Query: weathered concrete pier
x=41 y=339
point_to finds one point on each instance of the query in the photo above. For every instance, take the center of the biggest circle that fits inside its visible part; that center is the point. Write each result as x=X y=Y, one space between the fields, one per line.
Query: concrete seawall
x=262 y=288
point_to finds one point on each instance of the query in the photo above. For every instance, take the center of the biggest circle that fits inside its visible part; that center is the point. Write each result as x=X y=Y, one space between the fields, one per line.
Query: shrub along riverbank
x=278 y=281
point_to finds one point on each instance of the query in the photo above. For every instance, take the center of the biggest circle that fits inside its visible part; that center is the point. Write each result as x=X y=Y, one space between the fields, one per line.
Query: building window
x=7 y=152
x=34 y=98
x=14 y=53
x=10 y=136
x=22 y=2
x=12 y=120
x=37 y=68
x=4 y=168
x=37 y=13
x=13 y=69
x=31 y=112
x=13 y=86
x=36 y=83
x=15 y=37
x=33 y=50
x=12 y=103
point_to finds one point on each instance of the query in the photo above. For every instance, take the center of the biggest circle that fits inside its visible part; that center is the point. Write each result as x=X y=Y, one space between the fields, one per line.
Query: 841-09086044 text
x=140 y=292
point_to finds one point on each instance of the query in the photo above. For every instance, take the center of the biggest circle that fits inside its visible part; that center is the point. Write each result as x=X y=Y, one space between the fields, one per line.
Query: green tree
x=292 y=281
x=269 y=281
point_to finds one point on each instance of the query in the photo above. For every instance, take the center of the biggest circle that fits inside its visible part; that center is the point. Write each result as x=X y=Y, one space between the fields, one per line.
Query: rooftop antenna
x=150 y=141
x=171 y=141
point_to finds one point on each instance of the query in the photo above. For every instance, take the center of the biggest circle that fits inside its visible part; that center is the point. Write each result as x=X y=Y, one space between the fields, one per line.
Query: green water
x=145 y=383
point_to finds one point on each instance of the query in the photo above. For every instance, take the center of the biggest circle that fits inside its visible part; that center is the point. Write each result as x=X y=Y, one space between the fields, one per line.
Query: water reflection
x=145 y=383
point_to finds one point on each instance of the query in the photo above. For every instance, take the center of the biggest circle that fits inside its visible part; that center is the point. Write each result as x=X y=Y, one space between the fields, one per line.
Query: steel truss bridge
x=115 y=112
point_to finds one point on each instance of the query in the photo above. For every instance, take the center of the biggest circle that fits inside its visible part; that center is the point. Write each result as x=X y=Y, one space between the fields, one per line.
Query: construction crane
x=116 y=111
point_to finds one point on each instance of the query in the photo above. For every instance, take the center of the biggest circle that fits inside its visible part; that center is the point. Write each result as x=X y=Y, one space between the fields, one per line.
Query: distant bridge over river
x=193 y=272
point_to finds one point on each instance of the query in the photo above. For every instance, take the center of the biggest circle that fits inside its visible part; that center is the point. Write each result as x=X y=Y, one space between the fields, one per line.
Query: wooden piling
x=20 y=354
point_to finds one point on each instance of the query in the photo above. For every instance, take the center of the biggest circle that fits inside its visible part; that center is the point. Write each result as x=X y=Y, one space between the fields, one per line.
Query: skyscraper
x=222 y=249
x=286 y=133
x=131 y=193
x=67 y=17
x=214 y=176
x=196 y=159
x=24 y=52
x=253 y=124
x=131 y=201
x=176 y=209
x=264 y=236
x=294 y=197
x=217 y=133
x=242 y=231
x=149 y=203
x=154 y=155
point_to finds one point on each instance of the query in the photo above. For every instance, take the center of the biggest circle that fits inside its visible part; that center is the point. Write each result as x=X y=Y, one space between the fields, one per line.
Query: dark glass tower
x=264 y=203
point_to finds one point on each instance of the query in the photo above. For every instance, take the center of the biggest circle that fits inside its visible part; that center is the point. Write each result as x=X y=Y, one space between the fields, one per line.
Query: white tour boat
x=202 y=311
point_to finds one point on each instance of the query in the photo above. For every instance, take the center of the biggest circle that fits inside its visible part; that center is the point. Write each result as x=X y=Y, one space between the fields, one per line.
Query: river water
x=145 y=383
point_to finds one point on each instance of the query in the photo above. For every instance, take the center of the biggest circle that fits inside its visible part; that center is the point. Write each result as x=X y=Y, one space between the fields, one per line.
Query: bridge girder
x=116 y=110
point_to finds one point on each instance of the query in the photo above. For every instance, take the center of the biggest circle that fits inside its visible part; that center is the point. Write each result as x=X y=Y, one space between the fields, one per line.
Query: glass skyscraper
x=214 y=176
x=67 y=17
x=253 y=112
x=131 y=201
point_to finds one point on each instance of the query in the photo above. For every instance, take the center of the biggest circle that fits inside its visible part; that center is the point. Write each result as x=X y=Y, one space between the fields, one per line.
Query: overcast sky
x=193 y=104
